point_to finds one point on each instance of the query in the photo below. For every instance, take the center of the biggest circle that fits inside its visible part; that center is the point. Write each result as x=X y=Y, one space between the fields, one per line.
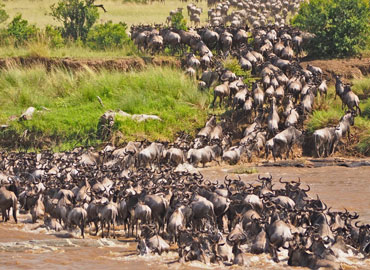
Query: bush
x=233 y=65
x=3 y=15
x=21 y=31
x=178 y=21
x=77 y=17
x=108 y=35
x=54 y=36
x=341 y=27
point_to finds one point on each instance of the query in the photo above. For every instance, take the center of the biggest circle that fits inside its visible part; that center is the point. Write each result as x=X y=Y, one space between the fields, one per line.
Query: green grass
x=362 y=87
x=74 y=112
x=329 y=112
x=42 y=48
x=243 y=170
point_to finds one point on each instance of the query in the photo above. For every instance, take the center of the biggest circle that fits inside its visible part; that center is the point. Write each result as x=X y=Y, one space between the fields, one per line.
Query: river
x=24 y=246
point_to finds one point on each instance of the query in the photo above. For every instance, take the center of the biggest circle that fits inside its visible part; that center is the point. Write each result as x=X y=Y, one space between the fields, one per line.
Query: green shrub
x=341 y=27
x=108 y=35
x=76 y=16
x=54 y=36
x=21 y=31
x=233 y=65
x=3 y=15
x=178 y=21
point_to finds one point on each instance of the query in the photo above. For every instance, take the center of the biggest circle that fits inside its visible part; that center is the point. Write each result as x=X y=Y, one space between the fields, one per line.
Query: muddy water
x=27 y=246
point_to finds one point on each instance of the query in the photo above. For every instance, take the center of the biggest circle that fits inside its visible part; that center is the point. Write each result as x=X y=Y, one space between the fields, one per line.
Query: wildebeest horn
x=355 y=216
x=297 y=183
x=283 y=182
x=306 y=190
x=207 y=182
x=326 y=207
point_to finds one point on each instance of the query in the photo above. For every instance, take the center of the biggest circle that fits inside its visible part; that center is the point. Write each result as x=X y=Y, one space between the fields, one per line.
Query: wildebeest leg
x=136 y=229
x=348 y=135
x=82 y=228
x=273 y=253
x=108 y=228
x=317 y=149
x=114 y=230
x=96 y=227
x=102 y=228
x=213 y=102
x=359 y=110
x=3 y=212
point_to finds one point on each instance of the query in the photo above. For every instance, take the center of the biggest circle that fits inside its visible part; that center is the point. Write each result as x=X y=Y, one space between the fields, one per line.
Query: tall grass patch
x=68 y=110
x=329 y=112
x=361 y=87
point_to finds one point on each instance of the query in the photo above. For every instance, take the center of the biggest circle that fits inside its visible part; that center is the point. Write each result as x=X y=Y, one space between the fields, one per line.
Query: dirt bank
x=122 y=64
x=353 y=68
x=349 y=68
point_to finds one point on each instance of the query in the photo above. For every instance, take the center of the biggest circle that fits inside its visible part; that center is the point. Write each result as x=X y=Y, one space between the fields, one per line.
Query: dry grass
x=131 y=13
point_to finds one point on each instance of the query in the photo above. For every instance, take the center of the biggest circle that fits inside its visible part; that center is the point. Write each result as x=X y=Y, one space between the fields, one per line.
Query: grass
x=37 y=12
x=329 y=112
x=73 y=110
x=362 y=87
x=244 y=170
x=71 y=51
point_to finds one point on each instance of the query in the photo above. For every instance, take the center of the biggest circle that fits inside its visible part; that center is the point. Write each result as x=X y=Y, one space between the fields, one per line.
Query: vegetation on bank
x=68 y=109
x=328 y=112
x=341 y=27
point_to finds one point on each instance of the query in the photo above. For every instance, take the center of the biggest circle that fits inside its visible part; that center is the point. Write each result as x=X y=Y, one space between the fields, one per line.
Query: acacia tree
x=341 y=27
x=77 y=17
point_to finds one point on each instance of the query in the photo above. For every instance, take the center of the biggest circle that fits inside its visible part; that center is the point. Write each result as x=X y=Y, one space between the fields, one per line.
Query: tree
x=341 y=27
x=77 y=17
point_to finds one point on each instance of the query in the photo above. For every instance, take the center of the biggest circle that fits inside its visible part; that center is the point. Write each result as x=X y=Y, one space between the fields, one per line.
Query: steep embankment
x=74 y=112
x=352 y=68
x=122 y=64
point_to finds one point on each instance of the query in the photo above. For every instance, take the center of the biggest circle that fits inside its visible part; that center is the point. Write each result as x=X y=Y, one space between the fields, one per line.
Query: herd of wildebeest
x=153 y=191
x=212 y=222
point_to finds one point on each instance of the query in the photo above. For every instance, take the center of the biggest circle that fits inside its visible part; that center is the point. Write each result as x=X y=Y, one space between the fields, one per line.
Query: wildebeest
x=324 y=139
x=285 y=140
x=8 y=200
x=151 y=154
